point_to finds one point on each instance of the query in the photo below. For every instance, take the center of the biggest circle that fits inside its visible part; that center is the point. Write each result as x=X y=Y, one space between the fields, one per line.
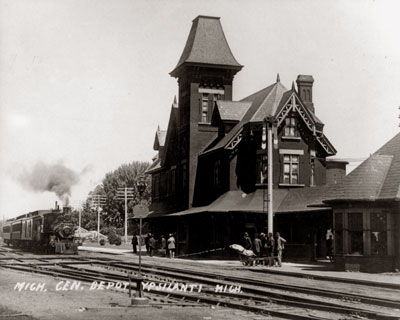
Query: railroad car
x=40 y=230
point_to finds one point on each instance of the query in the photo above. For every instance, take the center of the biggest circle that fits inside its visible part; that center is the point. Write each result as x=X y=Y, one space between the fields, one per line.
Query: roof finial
x=293 y=88
x=158 y=128
x=278 y=79
x=175 y=100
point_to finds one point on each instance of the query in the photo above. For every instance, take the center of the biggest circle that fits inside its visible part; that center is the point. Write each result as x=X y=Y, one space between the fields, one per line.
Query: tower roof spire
x=206 y=45
x=278 y=79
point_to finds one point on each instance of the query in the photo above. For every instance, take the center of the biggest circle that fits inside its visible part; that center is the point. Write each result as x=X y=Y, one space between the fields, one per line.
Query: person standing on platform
x=152 y=245
x=171 y=246
x=146 y=242
x=134 y=243
x=270 y=246
x=257 y=246
x=247 y=241
x=329 y=248
x=263 y=247
x=163 y=246
x=279 y=246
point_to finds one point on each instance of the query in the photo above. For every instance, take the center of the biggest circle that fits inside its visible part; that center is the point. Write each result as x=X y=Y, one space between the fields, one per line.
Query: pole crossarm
x=98 y=200
x=125 y=193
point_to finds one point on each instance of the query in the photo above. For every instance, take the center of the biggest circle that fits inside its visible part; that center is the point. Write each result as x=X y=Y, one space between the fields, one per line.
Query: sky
x=85 y=83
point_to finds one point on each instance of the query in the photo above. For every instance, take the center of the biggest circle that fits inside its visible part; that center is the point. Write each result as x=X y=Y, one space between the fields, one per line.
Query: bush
x=113 y=237
x=118 y=241
x=102 y=242
x=105 y=230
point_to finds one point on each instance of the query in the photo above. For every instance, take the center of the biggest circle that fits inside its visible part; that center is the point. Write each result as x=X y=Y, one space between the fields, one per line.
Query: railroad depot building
x=209 y=177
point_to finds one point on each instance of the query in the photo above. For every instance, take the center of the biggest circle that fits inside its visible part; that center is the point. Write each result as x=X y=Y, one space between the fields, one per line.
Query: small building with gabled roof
x=366 y=211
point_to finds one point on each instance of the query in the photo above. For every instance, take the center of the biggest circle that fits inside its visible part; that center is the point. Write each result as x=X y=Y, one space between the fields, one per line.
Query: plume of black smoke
x=55 y=178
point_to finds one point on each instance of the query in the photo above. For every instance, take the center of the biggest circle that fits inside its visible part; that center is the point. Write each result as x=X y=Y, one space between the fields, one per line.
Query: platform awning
x=284 y=201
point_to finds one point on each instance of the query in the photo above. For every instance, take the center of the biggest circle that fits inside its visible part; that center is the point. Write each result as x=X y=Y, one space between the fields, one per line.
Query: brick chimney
x=335 y=171
x=304 y=88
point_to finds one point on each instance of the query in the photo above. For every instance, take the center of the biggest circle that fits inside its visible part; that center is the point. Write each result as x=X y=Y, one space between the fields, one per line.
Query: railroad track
x=262 y=297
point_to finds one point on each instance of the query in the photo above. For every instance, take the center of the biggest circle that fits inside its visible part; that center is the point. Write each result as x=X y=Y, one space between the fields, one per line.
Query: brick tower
x=205 y=73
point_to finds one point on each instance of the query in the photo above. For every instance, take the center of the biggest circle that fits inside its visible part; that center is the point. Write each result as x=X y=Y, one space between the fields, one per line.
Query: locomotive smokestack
x=66 y=210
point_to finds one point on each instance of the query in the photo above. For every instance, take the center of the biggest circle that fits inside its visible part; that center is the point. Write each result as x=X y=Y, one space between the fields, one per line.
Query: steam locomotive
x=40 y=230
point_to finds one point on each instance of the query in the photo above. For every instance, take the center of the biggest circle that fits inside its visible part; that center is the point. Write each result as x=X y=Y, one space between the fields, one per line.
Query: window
x=356 y=243
x=262 y=169
x=291 y=169
x=204 y=108
x=378 y=233
x=290 y=127
x=208 y=98
x=338 y=232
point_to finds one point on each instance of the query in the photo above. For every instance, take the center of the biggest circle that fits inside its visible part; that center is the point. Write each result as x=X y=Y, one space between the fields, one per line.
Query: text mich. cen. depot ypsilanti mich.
x=65 y=285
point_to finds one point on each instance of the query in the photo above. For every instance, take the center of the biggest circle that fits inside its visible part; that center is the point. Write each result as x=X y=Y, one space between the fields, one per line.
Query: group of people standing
x=266 y=246
x=167 y=247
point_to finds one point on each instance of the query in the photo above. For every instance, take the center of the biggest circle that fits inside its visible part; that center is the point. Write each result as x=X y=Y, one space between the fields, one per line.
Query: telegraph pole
x=269 y=126
x=126 y=194
x=98 y=201
x=80 y=208
x=270 y=174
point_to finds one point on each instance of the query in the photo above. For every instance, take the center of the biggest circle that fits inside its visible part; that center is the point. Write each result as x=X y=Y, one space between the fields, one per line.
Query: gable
x=159 y=139
x=289 y=101
x=293 y=103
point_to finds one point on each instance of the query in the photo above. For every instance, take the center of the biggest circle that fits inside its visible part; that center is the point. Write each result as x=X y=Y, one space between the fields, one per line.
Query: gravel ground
x=90 y=304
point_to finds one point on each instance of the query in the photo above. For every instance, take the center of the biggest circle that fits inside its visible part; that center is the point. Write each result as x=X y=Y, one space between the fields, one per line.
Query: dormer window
x=290 y=127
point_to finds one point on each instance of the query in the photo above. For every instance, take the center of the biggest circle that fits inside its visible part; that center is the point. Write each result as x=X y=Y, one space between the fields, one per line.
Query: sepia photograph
x=204 y=160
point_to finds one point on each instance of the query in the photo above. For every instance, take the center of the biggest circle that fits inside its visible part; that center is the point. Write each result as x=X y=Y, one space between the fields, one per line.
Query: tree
x=88 y=215
x=127 y=175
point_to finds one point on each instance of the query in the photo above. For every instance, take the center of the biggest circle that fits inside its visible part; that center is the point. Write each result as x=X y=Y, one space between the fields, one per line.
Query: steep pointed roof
x=159 y=140
x=255 y=100
x=206 y=44
x=268 y=103
x=377 y=178
x=391 y=186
